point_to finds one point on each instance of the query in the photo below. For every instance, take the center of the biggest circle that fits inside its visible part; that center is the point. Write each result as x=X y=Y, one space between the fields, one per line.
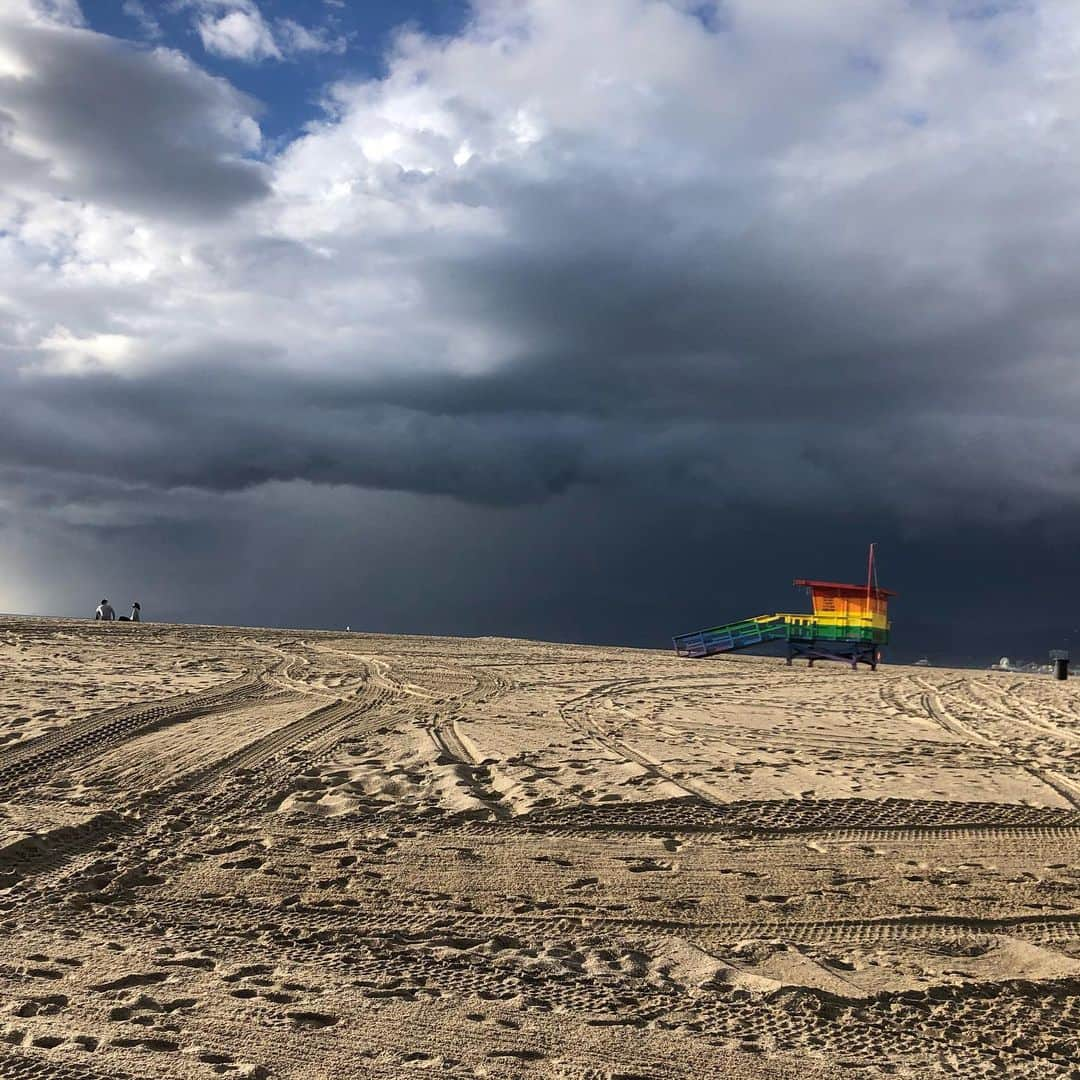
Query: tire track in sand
x=103 y=731
x=55 y=850
x=1067 y=789
x=575 y=713
x=402 y=922
x=454 y=750
x=444 y=729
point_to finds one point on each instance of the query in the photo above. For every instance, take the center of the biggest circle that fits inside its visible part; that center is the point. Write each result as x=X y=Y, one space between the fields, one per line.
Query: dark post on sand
x=1060 y=659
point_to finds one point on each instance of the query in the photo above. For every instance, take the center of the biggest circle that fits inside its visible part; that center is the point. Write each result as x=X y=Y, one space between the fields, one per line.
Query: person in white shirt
x=136 y=612
x=105 y=612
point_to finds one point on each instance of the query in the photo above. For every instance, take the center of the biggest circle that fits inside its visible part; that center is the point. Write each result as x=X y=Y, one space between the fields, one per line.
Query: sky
x=590 y=322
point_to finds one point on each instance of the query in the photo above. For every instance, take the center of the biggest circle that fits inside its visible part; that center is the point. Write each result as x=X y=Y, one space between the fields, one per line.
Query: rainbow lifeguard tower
x=849 y=623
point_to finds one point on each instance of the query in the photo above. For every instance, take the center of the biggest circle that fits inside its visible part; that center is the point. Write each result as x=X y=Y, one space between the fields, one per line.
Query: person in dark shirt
x=105 y=612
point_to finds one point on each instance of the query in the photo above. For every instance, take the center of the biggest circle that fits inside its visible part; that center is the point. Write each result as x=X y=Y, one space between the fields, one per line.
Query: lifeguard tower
x=849 y=623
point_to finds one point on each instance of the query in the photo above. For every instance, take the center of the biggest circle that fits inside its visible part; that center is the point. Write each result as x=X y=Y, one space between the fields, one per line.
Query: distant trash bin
x=1060 y=660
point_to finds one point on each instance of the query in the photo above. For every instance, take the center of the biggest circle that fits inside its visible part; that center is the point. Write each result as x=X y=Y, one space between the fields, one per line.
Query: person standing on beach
x=105 y=612
x=136 y=611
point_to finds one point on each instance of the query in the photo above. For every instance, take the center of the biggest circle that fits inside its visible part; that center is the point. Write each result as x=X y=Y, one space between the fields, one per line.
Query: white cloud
x=237 y=30
x=65 y=12
x=43 y=12
x=238 y=35
x=295 y=38
x=148 y=25
x=63 y=353
x=161 y=133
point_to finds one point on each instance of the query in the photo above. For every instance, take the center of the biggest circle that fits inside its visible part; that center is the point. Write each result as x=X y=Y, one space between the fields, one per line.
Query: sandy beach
x=291 y=854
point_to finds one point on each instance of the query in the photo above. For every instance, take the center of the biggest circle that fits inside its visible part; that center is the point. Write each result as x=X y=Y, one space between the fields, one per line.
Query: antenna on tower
x=871 y=574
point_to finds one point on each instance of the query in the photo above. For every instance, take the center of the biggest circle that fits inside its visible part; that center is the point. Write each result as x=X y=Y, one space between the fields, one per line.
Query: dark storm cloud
x=113 y=123
x=583 y=566
x=206 y=428
x=749 y=366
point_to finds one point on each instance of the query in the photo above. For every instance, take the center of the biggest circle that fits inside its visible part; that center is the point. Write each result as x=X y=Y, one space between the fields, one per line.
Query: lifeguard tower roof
x=839 y=586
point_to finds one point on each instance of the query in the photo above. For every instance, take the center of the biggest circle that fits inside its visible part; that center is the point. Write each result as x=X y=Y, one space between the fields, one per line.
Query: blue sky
x=290 y=88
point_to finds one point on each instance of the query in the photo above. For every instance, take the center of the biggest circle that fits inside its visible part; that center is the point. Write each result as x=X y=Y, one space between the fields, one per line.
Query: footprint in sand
x=311 y=1020
x=127 y=982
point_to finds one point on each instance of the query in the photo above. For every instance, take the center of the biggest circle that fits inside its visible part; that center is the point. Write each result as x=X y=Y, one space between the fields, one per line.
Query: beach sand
x=233 y=852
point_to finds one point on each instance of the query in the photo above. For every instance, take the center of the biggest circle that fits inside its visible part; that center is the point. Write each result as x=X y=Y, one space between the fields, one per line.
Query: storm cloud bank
x=776 y=255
